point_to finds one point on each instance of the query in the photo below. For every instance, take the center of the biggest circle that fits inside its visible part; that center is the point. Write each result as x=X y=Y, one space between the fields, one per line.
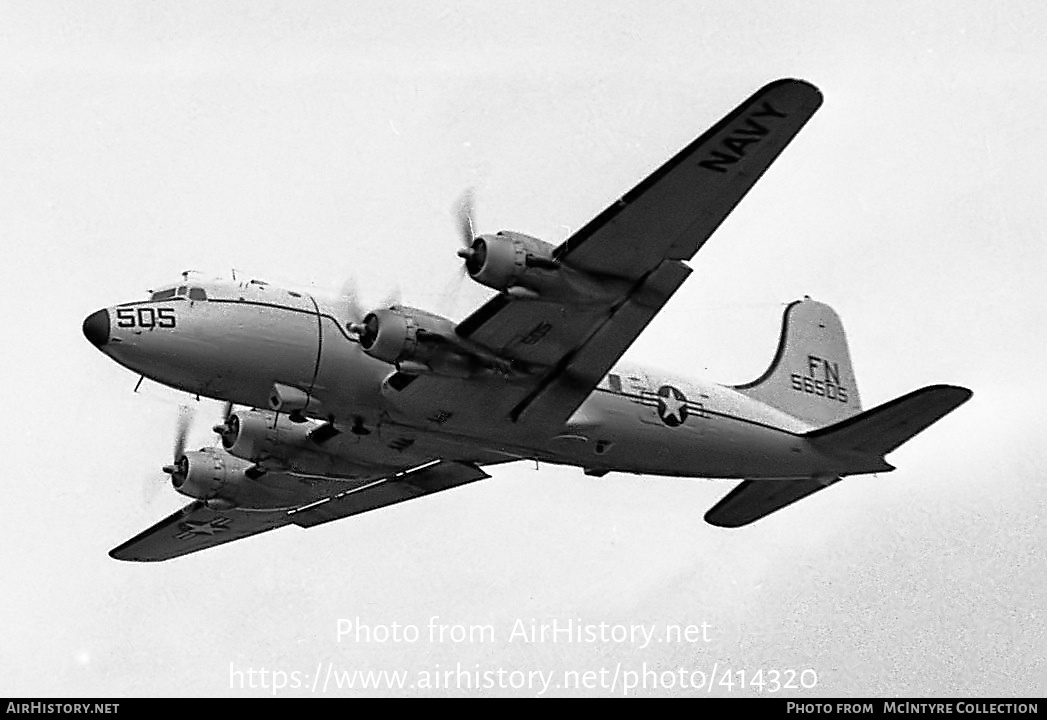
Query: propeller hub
x=368 y=331
x=475 y=256
x=178 y=472
x=228 y=430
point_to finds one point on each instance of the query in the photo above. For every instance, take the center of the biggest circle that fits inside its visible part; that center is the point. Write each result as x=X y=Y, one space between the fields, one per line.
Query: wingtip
x=716 y=520
x=806 y=85
x=121 y=553
x=957 y=393
x=117 y=554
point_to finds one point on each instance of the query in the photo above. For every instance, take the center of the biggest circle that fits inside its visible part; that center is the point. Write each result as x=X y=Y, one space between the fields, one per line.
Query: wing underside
x=754 y=499
x=198 y=527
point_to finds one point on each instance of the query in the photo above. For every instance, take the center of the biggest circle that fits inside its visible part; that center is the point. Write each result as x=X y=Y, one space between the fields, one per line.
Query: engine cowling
x=416 y=341
x=524 y=267
x=261 y=436
x=222 y=481
x=210 y=477
x=507 y=259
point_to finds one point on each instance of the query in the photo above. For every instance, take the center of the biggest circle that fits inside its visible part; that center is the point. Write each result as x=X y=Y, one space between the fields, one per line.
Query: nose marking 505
x=145 y=317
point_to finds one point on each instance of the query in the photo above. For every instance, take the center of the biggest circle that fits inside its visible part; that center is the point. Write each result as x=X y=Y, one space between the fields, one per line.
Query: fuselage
x=235 y=341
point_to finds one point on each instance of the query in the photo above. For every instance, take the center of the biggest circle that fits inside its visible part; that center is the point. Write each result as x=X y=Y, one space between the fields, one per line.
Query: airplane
x=344 y=412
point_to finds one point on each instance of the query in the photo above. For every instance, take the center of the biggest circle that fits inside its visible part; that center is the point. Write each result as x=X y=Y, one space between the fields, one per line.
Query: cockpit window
x=197 y=294
x=181 y=291
x=163 y=294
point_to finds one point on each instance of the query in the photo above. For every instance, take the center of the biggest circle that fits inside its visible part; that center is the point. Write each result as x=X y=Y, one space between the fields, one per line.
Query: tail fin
x=811 y=377
x=884 y=428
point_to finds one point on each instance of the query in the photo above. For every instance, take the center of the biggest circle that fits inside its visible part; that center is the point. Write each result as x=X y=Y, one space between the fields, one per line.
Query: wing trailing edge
x=426 y=480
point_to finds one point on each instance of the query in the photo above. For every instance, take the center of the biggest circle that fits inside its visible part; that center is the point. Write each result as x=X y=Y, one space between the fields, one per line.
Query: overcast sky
x=309 y=144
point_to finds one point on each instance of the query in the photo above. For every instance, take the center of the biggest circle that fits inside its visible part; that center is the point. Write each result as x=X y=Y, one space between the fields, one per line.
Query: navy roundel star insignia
x=191 y=529
x=672 y=406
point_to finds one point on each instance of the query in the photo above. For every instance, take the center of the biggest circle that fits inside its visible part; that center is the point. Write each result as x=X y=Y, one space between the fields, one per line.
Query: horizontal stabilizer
x=884 y=428
x=753 y=499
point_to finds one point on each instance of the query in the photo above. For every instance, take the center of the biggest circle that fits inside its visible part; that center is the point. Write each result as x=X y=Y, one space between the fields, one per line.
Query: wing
x=673 y=211
x=198 y=527
x=195 y=527
x=635 y=248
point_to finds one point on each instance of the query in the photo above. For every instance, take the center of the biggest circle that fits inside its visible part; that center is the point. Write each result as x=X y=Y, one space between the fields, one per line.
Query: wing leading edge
x=198 y=527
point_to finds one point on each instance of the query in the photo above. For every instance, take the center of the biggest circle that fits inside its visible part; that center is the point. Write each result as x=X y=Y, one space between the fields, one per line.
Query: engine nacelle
x=523 y=267
x=264 y=436
x=416 y=341
x=209 y=476
x=222 y=481
x=507 y=259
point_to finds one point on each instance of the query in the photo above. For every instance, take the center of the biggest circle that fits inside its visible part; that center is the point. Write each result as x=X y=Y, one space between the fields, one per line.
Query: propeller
x=355 y=310
x=180 y=466
x=349 y=300
x=471 y=250
x=474 y=249
x=464 y=215
x=393 y=297
x=229 y=427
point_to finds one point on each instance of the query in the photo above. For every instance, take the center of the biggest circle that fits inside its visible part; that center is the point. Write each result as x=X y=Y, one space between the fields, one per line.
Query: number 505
x=145 y=317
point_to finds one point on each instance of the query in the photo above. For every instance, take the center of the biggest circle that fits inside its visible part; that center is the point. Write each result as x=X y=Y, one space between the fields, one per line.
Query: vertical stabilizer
x=811 y=376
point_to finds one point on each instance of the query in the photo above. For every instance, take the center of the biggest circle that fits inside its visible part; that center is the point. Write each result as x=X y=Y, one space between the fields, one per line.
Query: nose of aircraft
x=96 y=328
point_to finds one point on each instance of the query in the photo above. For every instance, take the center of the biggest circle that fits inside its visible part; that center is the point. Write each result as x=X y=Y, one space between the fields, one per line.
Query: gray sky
x=308 y=145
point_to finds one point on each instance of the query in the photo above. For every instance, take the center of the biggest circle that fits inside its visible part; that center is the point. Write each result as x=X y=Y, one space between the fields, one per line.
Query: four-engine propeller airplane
x=346 y=414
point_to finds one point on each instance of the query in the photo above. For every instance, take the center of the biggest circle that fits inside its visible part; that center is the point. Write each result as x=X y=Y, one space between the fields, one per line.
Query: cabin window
x=163 y=294
x=197 y=294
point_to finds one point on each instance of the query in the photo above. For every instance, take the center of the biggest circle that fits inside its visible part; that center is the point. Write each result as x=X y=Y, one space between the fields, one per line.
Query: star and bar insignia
x=190 y=529
x=672 y=406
